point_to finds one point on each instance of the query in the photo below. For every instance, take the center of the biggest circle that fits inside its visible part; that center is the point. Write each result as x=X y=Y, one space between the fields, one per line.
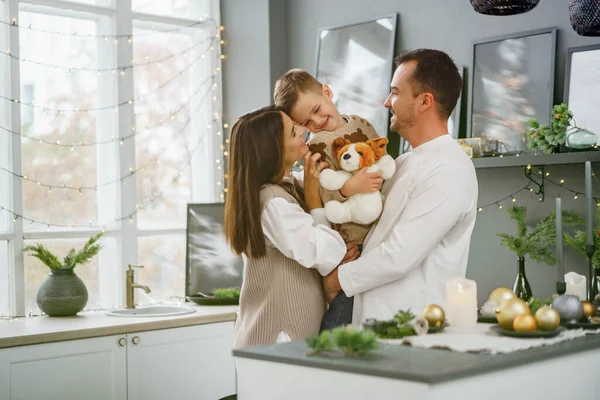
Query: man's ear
x=378 y=146
x=427 y=102
x=338 y=144
x=327 y=92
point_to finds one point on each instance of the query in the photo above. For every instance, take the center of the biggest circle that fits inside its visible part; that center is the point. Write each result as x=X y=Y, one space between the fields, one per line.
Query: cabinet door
x=181 y=363
x=76 y=369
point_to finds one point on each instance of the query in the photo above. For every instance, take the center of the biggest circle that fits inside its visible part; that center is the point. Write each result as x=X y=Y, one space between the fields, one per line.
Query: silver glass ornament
x=569 y=307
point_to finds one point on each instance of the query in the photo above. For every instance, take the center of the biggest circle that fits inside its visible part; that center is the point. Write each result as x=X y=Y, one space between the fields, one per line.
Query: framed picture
x=356 y=62
x=512 y=81
x=210 y=262
x=453 y=121
x=582 y=86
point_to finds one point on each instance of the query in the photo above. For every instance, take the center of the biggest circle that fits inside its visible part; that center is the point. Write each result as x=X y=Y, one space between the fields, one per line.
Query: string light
x=122 y=71
x=14 y=24
x=113 y=138
x=511 y=196
x=111 y=70
x=121 y=179
x=129 y=216
x=126 y=102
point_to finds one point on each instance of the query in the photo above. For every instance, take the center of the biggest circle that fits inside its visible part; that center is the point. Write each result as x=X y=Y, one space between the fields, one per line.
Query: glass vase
x=521 y=286
x=581 y=139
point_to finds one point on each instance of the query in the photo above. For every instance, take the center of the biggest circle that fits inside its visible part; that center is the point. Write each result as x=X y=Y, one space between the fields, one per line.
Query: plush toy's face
x=354 y=156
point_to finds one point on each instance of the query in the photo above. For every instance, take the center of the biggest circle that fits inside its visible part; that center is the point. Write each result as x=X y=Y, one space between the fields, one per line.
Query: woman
x=279 y=227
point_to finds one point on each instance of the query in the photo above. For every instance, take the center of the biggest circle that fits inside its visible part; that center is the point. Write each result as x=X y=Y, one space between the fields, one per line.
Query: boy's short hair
x=290 y=85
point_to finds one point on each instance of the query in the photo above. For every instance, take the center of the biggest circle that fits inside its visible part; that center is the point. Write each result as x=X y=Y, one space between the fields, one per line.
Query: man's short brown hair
x=436 y=73
x=290 y=85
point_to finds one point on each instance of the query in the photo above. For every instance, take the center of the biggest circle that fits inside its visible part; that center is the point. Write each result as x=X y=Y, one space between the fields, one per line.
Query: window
x=105 y=131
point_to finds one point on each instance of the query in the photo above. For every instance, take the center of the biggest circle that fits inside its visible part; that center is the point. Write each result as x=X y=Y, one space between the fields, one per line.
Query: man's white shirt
x=422 y=237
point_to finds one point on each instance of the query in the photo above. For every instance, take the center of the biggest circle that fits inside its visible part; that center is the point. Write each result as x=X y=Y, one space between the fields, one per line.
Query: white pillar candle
x=461 y=303
x=576 y=285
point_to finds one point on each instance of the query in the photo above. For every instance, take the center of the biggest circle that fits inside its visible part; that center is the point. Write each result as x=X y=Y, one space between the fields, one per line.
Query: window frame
x=122 y=241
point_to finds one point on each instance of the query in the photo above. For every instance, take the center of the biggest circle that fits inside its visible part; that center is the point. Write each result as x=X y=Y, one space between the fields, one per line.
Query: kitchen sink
x=151 y=311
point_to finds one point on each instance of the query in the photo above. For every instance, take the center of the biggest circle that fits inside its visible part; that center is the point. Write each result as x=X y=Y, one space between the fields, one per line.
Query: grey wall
x=256 y=40
x=449 y=25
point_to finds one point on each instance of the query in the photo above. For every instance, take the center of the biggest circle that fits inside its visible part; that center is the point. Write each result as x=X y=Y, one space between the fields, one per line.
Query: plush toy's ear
x=338 y=144
x=378 y=146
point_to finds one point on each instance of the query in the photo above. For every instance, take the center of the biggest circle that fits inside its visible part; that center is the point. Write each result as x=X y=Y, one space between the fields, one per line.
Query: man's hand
x=331 y=283
x=329 y=296
x=362 y=182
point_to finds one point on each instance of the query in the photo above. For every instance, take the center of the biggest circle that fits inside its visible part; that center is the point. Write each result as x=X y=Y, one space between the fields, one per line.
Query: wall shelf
x=524 y=159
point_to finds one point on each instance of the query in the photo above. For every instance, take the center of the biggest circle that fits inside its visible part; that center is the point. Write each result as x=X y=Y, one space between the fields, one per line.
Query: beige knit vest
x=278 y=294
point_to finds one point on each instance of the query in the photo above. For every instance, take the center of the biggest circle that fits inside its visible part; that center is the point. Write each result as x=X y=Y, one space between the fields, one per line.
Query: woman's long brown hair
x=256 y=158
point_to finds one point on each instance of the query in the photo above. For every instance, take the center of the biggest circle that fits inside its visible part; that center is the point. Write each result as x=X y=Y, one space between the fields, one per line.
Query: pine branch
x=83 y=256
x=73 y=258
x=44 y=255
x=512 y=243
x=518 y=214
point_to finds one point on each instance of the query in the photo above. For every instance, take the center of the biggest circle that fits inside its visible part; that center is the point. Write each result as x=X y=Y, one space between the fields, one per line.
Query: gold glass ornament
x=547 y=318
x=588 y=309
x=524 y=323
x=511 y=309
x=434 y=314
x=501 y=294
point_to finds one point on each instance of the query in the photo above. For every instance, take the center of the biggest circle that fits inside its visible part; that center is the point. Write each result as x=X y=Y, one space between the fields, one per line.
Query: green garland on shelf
x=545 y=137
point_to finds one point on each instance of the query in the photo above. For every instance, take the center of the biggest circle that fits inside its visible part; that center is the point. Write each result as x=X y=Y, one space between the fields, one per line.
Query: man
x=423 y=235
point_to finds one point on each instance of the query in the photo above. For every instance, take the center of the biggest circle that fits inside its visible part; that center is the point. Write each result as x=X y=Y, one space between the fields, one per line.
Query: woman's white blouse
x=306 y=238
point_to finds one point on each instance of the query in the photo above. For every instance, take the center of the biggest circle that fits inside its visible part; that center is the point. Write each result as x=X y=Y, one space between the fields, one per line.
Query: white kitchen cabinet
x=192 y=362
x=72 y=370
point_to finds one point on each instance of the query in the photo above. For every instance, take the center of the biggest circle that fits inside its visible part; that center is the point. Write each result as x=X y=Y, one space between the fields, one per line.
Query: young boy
x=308 y=103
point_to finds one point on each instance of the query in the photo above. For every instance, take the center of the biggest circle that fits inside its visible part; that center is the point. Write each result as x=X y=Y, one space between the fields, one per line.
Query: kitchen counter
x=44 y=329
x=562 y=370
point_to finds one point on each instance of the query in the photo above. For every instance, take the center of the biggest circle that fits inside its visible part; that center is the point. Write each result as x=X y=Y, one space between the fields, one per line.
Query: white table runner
x=481 y=339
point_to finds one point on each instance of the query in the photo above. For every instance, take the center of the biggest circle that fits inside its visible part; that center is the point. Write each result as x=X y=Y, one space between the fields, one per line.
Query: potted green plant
x=63 y=293
x=536 y=243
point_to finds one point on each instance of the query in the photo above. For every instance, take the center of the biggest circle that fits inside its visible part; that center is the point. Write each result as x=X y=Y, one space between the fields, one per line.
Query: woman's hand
x=331 y=283
x=362 y=182
x=312 y=173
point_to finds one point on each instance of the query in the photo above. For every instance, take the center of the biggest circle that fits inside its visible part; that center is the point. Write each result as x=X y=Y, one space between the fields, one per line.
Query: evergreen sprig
x=354 y=342
x=227 y=293
x=537 y=243
x=72 y=259
x=319 y=343
x=347 y=339
x=578 y=239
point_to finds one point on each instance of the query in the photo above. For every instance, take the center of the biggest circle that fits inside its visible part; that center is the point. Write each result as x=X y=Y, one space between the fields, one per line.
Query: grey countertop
x=416 y=364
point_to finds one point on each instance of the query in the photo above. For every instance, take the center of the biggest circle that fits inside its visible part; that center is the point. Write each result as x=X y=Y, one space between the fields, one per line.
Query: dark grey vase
x=62 y=293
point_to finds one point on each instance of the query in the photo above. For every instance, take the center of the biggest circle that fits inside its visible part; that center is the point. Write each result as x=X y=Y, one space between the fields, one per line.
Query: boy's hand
x=362 y=182
x=312 y=173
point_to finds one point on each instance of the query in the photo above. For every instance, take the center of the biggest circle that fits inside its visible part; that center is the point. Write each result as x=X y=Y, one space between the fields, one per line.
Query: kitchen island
x=565 y=370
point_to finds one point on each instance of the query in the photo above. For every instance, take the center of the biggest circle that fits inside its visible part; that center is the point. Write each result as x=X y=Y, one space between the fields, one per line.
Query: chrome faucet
x=130 y=285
